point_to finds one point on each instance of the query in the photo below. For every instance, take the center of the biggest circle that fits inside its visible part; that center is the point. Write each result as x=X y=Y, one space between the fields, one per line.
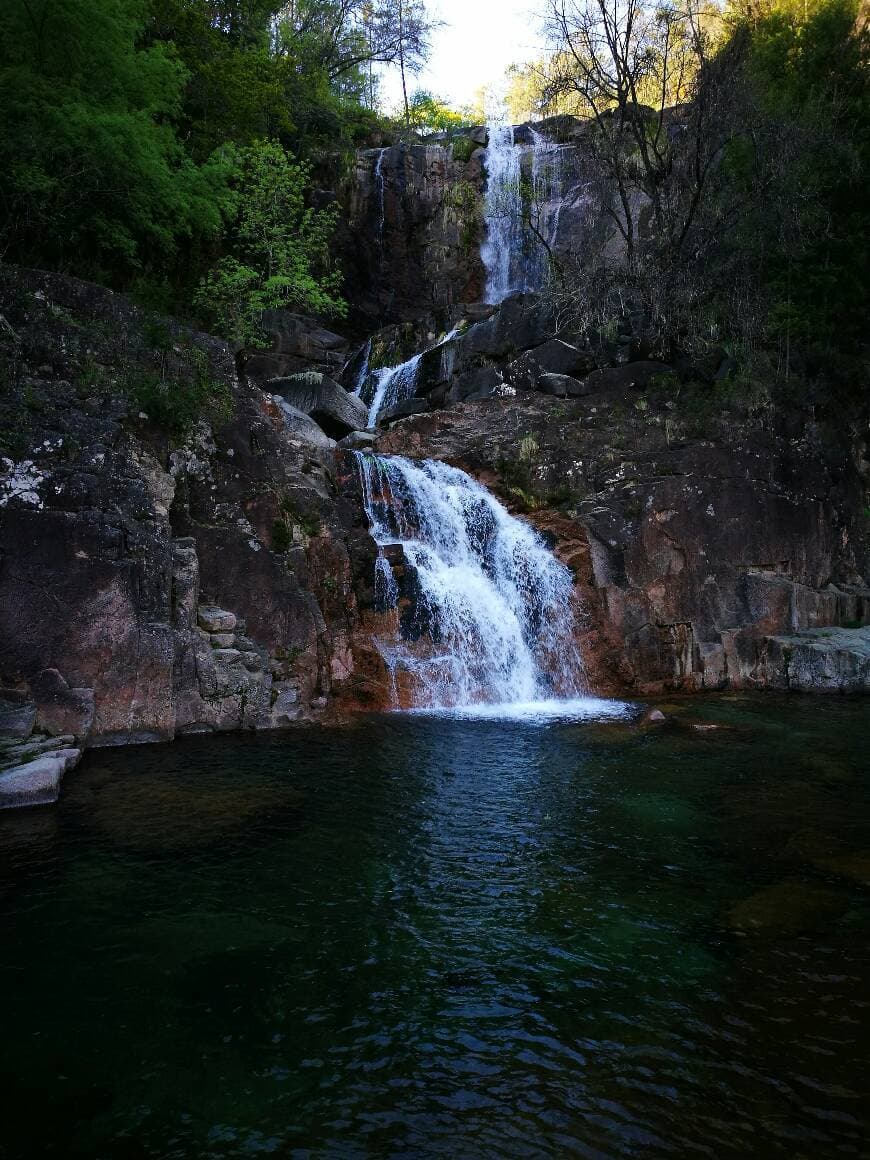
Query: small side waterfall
x=393 y=385
x=381 y=187
x=396 y=384
x=482 y=613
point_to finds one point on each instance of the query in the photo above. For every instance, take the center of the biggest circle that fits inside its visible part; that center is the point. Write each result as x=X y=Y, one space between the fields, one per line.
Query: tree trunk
x=402 y=61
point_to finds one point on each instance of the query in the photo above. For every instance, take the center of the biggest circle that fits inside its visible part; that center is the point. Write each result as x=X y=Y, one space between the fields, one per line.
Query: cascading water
x=503 y=214
x=393 y=385
x=514 y=254
x=381 y=187
x=484 y=614
x=547 y=194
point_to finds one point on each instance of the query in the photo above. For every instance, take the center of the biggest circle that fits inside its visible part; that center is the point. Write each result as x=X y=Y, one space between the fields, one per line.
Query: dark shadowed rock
x=333 y=408
x=403 y=411
x=298 y=344
x=637 y=375
x=562 y=386
x=17 y=713
x=62 y=710
x=521 y=322
x=480 y=383
x=552 y=357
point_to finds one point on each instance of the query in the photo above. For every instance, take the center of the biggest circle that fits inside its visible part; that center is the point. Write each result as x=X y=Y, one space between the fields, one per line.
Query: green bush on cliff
x=94 y=179
x=279 y=249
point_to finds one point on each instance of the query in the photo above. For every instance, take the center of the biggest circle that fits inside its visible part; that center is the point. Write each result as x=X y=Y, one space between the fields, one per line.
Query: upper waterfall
x=484 y=613
x=522 y=210
x=503 y=213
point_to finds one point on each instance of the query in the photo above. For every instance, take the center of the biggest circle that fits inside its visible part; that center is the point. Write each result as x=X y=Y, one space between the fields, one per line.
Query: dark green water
x=415 y=937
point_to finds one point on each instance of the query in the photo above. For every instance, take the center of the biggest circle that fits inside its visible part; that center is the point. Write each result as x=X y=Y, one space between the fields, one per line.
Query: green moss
x=463 y=149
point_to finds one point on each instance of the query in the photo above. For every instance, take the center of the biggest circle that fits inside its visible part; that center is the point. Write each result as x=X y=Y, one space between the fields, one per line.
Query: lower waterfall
x=479 y=612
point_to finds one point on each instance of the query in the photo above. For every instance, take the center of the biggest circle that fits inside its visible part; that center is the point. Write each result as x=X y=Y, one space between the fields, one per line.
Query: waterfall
x=547 y=193
x=503 y=213
x=514 y=257
x=382 y=205
x=395 y=384
x=483 y=614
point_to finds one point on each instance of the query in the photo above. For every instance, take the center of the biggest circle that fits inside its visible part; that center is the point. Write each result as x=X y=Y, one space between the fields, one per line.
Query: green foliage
x=809 y=69
x=430 y=114
x=463 y=149
x=176 y=401
x=281 y=537
x=94 y=178
x=279 y=248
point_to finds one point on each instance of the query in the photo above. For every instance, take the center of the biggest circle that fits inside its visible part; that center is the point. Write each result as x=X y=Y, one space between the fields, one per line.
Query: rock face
x=416 y=216
x=711 y=548
x=297 y=344
x=412 y=240
x=821 y=659
x=333 y=408
x=154 y=581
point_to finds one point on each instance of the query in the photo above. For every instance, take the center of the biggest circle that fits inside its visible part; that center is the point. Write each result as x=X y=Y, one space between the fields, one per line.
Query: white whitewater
x=486 y=621
x=393 y=385
x=396 y=384
x=503 y=214
x=514 y=257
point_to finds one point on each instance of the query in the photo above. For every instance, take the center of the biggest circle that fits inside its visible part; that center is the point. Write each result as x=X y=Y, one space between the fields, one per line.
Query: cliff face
x=716 y=543
x=155 y=584
x=416 y=217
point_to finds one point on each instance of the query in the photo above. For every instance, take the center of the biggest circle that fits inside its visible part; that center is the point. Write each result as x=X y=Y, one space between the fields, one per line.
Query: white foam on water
x=489 y=615
x=538 y=712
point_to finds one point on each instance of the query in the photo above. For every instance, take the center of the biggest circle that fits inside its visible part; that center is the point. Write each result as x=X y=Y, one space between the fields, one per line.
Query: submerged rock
x=785 y=909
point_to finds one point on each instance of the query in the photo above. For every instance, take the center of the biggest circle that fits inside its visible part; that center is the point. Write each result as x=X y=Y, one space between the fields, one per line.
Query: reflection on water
x=425 y=936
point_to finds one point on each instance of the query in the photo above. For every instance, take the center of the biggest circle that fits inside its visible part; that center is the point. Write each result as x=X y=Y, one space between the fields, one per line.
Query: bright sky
x=480 y=39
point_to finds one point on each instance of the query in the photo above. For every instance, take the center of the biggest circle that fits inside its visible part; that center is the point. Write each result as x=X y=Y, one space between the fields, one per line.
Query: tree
x=94 y=177
x=279 y=248
x=429 y=114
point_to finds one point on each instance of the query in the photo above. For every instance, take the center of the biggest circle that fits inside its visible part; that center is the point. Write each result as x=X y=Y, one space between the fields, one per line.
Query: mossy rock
x=463 y=149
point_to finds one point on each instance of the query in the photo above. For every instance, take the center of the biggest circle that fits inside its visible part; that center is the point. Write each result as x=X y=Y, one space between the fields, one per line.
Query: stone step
x=36 y=782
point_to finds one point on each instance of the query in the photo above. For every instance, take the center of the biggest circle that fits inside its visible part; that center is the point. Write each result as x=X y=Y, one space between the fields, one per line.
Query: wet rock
x=654 y=717
x=333 y=408
x=854 y=865
x=402 y=411
x=785 y=910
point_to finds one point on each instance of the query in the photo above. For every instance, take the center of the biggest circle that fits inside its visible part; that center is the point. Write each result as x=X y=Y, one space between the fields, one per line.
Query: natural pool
x=417 y=936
